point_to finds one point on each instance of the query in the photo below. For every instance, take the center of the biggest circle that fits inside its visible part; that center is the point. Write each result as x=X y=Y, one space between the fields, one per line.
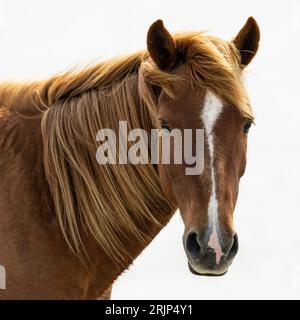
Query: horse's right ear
x=161 y=46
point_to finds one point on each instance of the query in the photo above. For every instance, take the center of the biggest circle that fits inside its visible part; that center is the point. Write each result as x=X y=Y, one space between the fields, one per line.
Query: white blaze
x=211 y=112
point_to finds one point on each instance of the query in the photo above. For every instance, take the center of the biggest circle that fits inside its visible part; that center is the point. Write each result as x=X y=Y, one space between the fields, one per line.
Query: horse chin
x=207 y=273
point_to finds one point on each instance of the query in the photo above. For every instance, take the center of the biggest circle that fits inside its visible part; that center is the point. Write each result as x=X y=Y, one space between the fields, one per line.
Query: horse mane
x=73 y=82
x=104 y=201
x=110 y=200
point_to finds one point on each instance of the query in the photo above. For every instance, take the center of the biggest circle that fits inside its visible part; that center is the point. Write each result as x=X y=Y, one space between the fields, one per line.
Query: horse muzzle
x=207 y=255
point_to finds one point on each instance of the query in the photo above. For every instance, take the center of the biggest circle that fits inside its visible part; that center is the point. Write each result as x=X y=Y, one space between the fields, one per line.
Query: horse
x=69 y=226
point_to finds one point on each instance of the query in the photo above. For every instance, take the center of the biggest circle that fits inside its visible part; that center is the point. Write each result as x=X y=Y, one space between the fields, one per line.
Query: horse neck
x=128 y=212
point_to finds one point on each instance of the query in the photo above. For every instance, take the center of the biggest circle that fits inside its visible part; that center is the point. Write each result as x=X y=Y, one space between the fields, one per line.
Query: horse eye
x=247 y=127
x=165 y=127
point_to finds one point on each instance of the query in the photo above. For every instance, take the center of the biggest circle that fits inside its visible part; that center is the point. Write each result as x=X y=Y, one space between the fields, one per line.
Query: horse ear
x=247 y=41
x=161 y=46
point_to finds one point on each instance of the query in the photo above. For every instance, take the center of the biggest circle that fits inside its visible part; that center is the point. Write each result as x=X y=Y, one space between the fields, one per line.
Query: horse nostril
x=234 y=248
x=192 y=245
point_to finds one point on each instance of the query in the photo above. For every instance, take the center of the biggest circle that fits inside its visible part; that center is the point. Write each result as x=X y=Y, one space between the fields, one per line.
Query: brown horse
x=69 y=226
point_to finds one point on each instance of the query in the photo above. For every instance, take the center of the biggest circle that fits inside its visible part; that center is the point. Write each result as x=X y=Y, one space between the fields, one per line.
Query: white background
x=40 y=38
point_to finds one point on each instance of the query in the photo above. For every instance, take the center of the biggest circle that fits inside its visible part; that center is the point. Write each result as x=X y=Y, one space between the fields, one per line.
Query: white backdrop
x=40 y=38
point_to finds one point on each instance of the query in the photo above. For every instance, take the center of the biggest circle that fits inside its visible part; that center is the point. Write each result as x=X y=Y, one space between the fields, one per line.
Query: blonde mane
x=104 y=201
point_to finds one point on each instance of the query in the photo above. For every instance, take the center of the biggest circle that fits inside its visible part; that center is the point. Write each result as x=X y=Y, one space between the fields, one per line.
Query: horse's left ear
x=161 y=46
x=247 y=41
